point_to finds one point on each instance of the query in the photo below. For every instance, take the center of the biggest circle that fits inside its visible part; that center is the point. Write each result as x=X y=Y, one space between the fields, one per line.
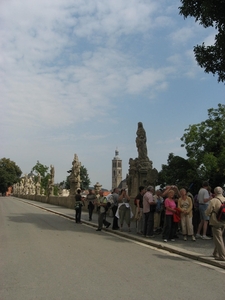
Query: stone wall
x=67 y=202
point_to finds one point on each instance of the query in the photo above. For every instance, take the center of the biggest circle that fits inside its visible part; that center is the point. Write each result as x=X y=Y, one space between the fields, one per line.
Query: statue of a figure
x=38 y=184
x=141 y=140
x=52 y=173
x=74 y=177
x=97 y=188
x=39 y=178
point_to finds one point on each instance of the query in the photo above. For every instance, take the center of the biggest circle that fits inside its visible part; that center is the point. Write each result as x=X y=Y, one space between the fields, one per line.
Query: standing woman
x=124 y=209
x=170 y=206
x=185 y=204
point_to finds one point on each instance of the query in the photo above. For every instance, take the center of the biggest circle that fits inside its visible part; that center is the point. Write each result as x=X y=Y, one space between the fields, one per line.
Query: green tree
x=9 y=174
x=205 y=145
x=179 y=172
x=43 y=171
x=84 y=177
x=209 y=14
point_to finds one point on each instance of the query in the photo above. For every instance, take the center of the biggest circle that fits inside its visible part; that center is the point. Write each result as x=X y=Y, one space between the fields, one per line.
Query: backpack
x=221 y=213
x=109 y=203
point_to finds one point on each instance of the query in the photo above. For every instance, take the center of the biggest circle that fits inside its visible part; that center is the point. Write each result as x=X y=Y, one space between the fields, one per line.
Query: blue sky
x=77 y=77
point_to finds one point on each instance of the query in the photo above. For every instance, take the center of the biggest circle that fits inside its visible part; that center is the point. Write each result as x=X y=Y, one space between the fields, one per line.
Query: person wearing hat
x=217 y=227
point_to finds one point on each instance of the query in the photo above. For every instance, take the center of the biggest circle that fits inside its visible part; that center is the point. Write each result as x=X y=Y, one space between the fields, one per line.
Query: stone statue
x=97 y=188
x=38 y=184
x=140 y=169
x=25 y=189
x=39 y=178
x=74 y=177
x=50 y=187
x=141 y=141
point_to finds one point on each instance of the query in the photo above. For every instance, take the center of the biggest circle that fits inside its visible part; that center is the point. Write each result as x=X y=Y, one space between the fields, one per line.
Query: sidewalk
x=201 y=250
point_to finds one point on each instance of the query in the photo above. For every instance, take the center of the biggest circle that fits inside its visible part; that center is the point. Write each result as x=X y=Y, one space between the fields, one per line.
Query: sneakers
x=165 y=241
x=204 y=237
x=172 y=240
x=185 y=238
x=193 y=238
x=198 y=236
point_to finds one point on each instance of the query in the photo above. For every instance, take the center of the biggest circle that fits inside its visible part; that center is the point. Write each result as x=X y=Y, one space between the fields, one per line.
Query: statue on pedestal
x=38 y=184
x=25 y=189
x=141 y=141
x=74 y=177
x=51 y=181
x=140 y=169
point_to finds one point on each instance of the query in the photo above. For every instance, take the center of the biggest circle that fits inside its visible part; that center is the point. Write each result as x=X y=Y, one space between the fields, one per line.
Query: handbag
x=176 y=216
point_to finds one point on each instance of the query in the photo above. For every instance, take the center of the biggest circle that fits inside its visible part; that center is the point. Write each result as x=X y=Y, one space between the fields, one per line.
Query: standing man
x=91 y=197
x=139 y=209
x=115 y=196
x=217 y=227
x=203 y=200
x=101 y=203
x=78 y=206
x=148 y=210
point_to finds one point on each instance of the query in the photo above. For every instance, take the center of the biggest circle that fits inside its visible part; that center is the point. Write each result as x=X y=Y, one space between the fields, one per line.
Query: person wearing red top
x=170 y=207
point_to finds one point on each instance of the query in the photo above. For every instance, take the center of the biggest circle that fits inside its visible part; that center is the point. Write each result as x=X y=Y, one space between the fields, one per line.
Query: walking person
x=217 y=227
x=102 y=203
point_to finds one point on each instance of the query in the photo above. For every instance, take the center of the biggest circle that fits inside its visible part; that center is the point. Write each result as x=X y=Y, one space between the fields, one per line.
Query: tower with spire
x=116 y=170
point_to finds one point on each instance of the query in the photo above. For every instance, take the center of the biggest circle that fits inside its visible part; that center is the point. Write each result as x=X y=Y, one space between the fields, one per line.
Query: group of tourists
x=166 y=212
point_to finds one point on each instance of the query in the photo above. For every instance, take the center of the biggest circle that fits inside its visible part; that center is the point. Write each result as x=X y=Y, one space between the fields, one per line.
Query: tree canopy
x=84 y=177
x=179 y=172
x=9 y=174
x=43 y=171
x=205 y=145
x=209 y=14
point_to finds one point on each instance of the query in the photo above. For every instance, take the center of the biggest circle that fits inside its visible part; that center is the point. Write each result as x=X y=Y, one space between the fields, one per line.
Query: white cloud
x=68 y=68
x=182 y=35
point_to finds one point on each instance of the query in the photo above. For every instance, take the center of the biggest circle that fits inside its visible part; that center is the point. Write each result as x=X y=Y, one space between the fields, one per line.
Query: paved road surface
x=46 y=256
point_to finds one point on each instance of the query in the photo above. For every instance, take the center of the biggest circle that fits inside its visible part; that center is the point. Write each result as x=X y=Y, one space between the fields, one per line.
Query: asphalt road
x=46 y=256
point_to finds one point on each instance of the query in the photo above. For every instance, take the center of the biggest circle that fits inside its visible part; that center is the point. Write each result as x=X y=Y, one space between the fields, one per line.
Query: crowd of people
x=167 y=212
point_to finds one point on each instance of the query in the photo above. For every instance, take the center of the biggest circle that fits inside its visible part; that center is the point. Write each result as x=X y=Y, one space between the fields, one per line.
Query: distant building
x=116 y=170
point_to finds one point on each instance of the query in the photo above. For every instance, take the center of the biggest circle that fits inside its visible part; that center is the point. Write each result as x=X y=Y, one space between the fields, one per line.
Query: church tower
x=116 y=170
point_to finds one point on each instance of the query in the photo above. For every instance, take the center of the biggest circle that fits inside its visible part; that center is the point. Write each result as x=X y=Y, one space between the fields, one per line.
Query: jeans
x=148 y=223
